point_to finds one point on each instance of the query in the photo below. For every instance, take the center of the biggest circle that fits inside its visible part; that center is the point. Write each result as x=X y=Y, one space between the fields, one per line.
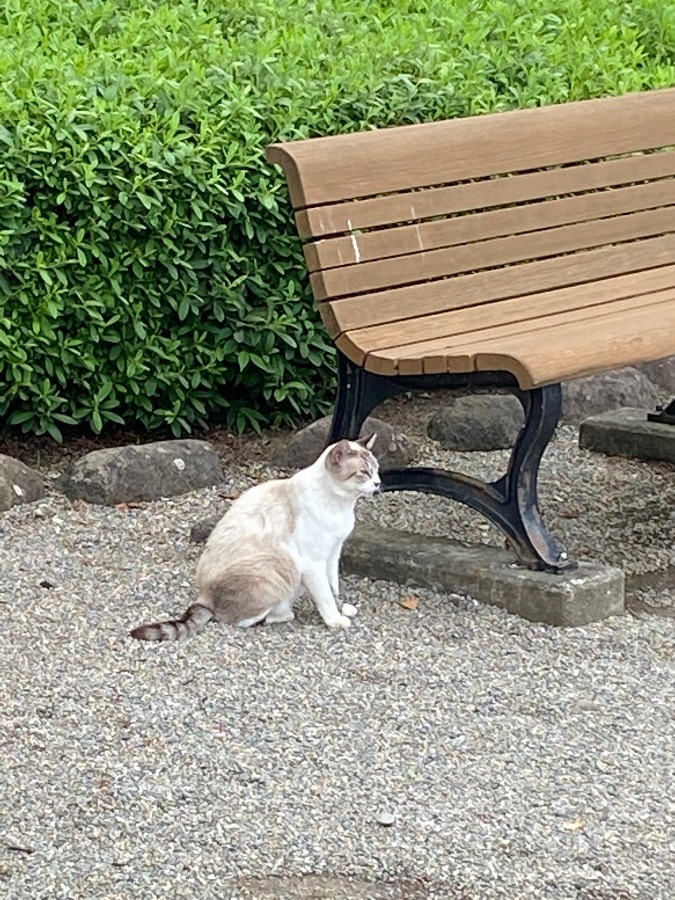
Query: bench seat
x=540 y=338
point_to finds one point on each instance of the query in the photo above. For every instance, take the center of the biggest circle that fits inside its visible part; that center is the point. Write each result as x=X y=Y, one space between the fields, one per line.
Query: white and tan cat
x=276 y=539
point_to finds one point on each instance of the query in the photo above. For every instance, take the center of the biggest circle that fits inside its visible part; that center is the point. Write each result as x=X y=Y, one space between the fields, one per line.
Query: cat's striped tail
x=193 y=620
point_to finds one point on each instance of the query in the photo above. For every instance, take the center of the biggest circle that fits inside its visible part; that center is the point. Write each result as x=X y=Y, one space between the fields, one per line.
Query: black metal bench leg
x=664 y=416
x=358 y=393
x=530 y=540
x=511 y=502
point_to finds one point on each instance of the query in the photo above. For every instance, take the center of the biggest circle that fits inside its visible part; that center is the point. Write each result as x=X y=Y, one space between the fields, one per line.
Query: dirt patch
x=406 y=412
x=48 y=455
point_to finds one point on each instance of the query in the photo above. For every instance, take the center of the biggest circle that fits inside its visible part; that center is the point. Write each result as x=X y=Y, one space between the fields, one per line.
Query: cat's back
x=265 y=509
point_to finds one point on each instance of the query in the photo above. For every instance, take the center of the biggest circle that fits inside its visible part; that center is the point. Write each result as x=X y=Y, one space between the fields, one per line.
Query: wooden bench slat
x=390 y=209
x=426 y=265
x=540 y=350
x=573 y=350
x=407 y=360
x=350 y=166
x=431 y=333
x=418 y=300
x=407 y=239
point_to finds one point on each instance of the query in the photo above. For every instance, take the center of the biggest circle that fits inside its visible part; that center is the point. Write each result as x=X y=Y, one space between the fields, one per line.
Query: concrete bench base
x=627 y=432
x=588 y=594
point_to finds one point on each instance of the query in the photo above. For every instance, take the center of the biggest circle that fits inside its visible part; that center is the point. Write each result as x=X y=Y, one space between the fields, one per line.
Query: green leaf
x=243 y=359
x=183 y=308
x=17 y=418
x=62 y=417
x=104 y=391
x=113 y=417
x=54 y=432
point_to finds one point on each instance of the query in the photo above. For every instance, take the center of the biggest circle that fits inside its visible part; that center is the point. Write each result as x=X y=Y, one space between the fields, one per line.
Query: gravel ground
x=516 y=760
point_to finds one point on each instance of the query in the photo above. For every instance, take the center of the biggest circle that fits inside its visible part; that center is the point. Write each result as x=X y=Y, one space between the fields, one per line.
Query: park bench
x=509 y=251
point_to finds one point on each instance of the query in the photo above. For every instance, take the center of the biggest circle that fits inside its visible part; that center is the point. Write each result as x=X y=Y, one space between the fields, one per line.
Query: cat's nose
x=377 y=483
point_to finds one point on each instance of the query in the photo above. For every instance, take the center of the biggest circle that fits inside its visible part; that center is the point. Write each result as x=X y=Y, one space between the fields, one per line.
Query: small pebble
x=385 y=818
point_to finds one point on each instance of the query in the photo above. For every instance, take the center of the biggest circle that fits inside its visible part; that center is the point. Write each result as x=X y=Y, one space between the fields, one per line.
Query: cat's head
x=354 y=467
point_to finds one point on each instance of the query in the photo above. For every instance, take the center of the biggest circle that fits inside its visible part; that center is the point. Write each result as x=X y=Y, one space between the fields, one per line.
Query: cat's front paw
x=339 y=622
x=349 y=610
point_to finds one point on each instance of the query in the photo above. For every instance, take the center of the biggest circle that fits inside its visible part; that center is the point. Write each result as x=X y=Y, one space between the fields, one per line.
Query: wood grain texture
x=539 y=242
x=582 y=348
x=556 y=349
x=320 y=221
x=350 y=166
x=432 y=332
x=406 y=239
x=411 y=358
x=551 y=242
x=419 y=300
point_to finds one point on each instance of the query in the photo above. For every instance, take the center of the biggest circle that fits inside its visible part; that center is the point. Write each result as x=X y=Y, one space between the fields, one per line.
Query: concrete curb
x=588 y=594
x=626 y=432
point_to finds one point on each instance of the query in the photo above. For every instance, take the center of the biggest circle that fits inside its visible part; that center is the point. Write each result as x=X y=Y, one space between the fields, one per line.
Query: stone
x=142 y=472
x=661 y=372
x=385 y=818
x=588 y=593
x=609 y=390
x=478 y=422
x=18 y=483
x=302 y=449
x=627 y=432
x=201 y=530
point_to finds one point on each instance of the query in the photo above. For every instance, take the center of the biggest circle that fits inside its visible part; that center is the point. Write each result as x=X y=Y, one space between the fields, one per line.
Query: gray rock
x=142 y=472
x=385 y=818
x=661 y=372
x=477 y=422
x=391 y=449
x=609 y=390
x=18 y=483
x=201 y=530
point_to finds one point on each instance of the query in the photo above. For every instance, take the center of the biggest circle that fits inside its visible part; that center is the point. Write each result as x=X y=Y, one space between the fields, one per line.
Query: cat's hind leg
x=252 y=620
x=282 y=612
x=246 y=593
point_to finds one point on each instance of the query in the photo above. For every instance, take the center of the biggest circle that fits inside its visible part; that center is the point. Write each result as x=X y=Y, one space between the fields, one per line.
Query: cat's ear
x=368 y=442
x=337 y=453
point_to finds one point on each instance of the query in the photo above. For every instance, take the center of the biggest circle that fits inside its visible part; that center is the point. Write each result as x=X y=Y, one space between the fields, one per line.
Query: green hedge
x=149 y=269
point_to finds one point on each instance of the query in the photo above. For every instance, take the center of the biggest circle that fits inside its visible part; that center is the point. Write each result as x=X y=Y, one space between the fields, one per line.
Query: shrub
x=149 y=268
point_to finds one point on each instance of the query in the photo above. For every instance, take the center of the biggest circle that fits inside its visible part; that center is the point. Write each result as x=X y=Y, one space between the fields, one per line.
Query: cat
x=276 y=539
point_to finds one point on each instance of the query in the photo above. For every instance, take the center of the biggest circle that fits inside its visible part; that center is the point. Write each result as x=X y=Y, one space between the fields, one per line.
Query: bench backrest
x=409 y=221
